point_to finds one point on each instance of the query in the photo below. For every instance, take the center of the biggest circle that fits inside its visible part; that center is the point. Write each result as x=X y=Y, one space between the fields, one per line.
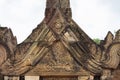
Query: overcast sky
x=95 y=17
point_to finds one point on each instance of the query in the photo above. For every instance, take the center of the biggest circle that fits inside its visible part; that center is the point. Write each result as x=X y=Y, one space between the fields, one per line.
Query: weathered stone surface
x=59 y=47
x=116 y=74
x=58 y=4
x=32 y=78
x=59 y=78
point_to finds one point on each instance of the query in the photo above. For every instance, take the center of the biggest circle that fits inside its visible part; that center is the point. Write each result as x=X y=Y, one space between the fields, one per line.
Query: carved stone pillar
x=32 y=78
x=6 y=77
x=11 y=78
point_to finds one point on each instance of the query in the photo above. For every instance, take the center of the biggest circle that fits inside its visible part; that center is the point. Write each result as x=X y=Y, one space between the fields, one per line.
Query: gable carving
x=58 y=45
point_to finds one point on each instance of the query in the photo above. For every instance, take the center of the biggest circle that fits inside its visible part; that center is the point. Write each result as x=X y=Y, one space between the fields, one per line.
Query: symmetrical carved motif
x=58 y=46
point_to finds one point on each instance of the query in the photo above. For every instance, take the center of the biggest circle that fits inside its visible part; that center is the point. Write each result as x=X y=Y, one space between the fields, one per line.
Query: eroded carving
x=58 y=45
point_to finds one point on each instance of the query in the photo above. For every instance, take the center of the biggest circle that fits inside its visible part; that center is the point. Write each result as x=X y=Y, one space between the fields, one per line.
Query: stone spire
x=58 y=4
x=63 y=6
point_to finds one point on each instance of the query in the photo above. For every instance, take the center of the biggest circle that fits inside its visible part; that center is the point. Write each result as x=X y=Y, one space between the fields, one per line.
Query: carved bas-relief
x=58 y=49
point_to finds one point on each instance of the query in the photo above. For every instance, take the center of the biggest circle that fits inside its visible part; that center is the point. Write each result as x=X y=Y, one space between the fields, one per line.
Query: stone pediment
x=58 y=47
x=57 y=61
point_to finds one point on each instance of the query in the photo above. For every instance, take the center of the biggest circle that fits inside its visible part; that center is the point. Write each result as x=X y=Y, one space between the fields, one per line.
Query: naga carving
x=59 y=37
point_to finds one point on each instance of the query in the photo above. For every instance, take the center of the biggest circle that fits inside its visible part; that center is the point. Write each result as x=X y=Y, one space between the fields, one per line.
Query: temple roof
x=56 y=46
x=61 y=31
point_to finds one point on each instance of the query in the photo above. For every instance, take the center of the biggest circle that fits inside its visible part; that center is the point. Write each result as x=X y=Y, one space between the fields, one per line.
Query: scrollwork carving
x=3 y=54
x=65 y=44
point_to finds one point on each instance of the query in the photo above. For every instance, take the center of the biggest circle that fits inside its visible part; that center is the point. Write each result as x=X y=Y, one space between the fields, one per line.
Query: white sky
x=95 y=17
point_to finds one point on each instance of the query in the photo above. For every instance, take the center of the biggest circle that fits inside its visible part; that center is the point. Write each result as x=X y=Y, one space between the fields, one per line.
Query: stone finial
x=53 y=6
x=117 y=36
x=58 y=4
